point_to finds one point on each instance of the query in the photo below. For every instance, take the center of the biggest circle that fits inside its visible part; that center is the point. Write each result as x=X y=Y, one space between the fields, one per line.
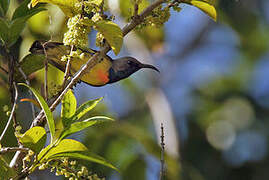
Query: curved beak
x=150 y=67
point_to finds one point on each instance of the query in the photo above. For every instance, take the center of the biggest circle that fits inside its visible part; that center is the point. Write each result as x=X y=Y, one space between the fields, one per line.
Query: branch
x=12 y=149
x=12 y=112
x=140 y=18
x=3 y=69
x=162 y=170
x=67 y=68
x=46 y=74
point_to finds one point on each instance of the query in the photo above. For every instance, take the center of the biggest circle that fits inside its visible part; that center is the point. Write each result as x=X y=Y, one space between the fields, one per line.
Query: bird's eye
x=129 y=62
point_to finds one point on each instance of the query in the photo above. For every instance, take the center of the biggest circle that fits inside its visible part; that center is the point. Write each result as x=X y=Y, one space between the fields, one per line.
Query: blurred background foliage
x=212 y=94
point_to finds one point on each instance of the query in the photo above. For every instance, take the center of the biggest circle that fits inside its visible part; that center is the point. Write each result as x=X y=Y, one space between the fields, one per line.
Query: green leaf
x=67 y=6
x=46 y=109
x=4 y=30
x=24 y=11
x=4 y=4
x=112 y=33
x=16 y=26
x=78 y=126
x=69 y=105
x=2 y=13
x=30 y=64
x=64 y=146
x=34 y=138
x=85 y=156
x=85 y=108
x=5 y=170
x=206 y=8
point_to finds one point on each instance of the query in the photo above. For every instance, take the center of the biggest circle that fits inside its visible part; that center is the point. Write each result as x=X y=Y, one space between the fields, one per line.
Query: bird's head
x=124 y=67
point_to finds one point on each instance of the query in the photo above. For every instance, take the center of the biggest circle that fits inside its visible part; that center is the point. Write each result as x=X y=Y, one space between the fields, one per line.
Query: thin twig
x=4 y=70
x=30 y=92
x=67 y=68
x=140 y=18
x=162 y=170
x=12 y=149
x=46 y=74
x=12 y=112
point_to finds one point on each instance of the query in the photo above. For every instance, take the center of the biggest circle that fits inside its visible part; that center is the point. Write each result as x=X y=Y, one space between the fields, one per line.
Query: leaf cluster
x=69 y=123
x=10 y=29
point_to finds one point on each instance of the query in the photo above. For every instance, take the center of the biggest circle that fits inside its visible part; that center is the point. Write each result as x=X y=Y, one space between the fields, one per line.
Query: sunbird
x=105 y=72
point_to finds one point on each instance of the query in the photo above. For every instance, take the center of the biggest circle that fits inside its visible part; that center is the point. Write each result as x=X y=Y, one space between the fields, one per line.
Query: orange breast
x=98 y=75
x=103 y=76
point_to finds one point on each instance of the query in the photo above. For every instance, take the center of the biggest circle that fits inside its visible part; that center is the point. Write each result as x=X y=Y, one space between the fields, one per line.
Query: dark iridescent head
x=124 y=67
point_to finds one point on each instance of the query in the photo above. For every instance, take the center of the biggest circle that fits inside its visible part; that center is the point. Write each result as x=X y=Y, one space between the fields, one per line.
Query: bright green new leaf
x=64 y=146
x=78 y=126
x=46 y=109
x=205 y=7
x=4 y=4
x=112 y=33
x=34 y=138
x=69 y=105
x=85 y=156
x=67 y=6
x=85 y=108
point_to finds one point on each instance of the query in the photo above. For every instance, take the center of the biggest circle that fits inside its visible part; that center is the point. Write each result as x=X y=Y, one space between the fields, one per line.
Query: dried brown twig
x=162 y=170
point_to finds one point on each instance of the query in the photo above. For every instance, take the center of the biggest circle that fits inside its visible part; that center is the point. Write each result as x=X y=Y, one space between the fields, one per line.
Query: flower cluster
x=17 y=132
x=158 y=16
x=78 y=29
x=69 y=169
x=99 y=39
x=80 y=25
x=28 y=157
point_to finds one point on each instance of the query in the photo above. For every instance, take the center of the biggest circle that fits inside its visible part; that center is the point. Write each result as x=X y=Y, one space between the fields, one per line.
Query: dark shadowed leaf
x=30 y=64
x=4 y=4
x=24 y=11
x=3 y=30
x=19 y=18
x=5 y=170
